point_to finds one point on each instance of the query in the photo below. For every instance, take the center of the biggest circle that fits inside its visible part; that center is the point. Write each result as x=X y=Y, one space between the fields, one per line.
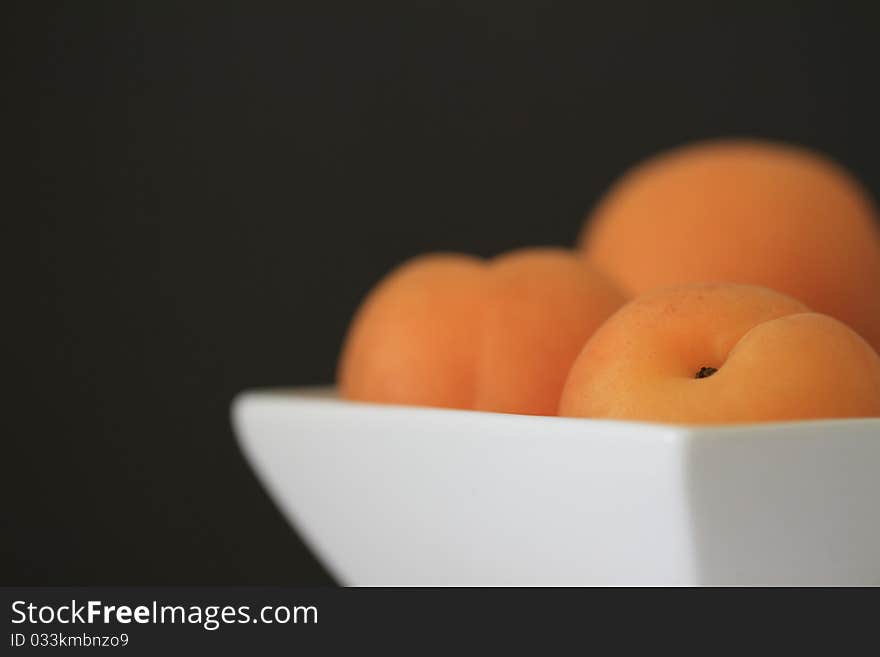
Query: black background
x=204 y=192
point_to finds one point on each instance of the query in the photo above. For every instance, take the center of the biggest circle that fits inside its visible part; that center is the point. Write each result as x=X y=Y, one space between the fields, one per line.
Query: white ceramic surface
x=393 y=495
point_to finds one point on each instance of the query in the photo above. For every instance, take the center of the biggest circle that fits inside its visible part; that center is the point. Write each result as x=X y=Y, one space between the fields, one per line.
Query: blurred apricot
x=722 y=353
x=541 y=305
x=413 y=340
x=744 y=211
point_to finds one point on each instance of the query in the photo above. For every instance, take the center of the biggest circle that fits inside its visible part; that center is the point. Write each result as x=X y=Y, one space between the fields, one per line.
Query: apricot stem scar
x=703 y=372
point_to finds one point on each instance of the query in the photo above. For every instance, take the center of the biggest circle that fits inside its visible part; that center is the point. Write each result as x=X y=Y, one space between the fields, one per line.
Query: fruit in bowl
x=732 y=251
x=752 y=267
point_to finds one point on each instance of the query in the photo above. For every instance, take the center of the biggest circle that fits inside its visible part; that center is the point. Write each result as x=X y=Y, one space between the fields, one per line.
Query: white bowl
x=394 y=495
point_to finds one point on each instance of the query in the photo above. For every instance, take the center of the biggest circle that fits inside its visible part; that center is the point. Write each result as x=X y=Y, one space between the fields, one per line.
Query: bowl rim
x=327 y=394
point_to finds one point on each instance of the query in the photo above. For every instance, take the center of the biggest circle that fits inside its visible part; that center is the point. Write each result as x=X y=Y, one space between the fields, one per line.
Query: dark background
x=204 y=192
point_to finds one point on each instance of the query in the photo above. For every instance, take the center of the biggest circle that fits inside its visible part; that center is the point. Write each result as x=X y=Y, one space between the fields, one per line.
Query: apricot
x=541 y=305
x=744 y=211
x=413 y=340
x=722 y=353
x=456 y=331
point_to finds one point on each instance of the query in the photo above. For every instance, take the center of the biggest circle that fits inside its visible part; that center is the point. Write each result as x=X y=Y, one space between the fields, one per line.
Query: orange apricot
x=455 y=331
x=722 y=353
x=744 y=211
x=412 y=340
x=541 y=305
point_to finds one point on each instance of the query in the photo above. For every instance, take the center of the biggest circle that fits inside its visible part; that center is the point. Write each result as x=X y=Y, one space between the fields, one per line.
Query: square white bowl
x=398 y=495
